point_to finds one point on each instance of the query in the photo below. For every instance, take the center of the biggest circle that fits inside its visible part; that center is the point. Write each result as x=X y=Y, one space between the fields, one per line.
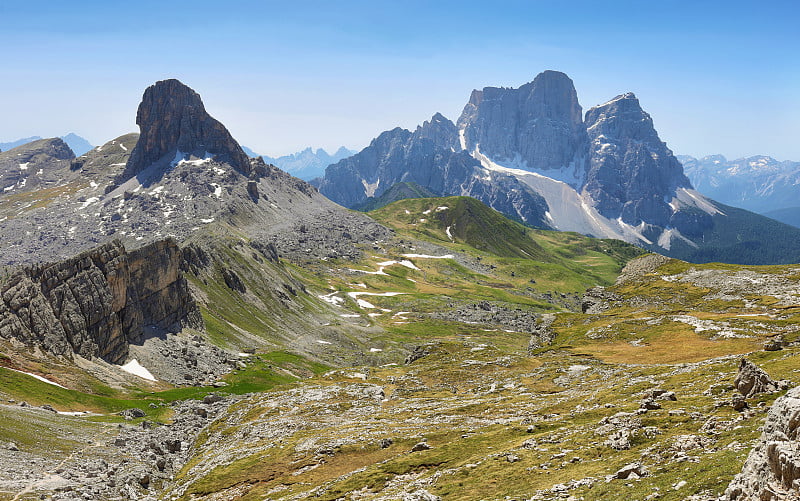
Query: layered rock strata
x=99 y=302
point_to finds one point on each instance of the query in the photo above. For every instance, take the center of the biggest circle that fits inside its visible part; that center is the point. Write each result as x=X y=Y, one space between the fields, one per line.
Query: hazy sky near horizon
x=716 y=76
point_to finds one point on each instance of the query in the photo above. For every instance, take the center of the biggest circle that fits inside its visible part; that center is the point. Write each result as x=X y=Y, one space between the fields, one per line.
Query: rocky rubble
x=135 y=461
x=99 y=302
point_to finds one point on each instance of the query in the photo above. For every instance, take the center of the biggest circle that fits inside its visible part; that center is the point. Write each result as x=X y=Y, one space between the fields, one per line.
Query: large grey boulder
x=751 y=380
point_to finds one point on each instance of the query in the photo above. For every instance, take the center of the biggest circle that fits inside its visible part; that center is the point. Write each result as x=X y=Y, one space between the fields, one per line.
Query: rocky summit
x=538 y=126
x=175 y=126
x=606 y=174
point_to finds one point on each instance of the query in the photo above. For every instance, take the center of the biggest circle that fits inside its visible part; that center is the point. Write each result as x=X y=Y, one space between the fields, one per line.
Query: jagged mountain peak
x=173 y=121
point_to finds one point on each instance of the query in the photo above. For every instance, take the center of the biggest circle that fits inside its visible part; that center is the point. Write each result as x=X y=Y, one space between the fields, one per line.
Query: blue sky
x=717 y=77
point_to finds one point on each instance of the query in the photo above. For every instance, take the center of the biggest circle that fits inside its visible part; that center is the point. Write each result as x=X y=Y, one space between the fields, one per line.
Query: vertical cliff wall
x=97 y=303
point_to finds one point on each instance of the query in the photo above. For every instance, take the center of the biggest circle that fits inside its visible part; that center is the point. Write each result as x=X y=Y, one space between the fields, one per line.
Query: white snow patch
x=210 y=220
x=89 y=201
x=123 y=147
x=24 y=166
x=379 y=272
x=440 y=209
x=426 y=212
x=426 y=256
x=40 y=378
x=93 y=184
x=332 y=298
x=350 y=315
x=375 y=350
x=407 y=211
x=217 y=190
x=366 y=304
x=423 y=220
x=369 y=188
x=723 y=329
x=157 y=190
x=320 y=341
x=135 y=368
x=449 y=235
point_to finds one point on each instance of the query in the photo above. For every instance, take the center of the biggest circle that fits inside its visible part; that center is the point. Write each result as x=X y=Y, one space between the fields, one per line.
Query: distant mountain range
x=531 y=154
x=759 y=183
x=307 y=164
x=76 y=143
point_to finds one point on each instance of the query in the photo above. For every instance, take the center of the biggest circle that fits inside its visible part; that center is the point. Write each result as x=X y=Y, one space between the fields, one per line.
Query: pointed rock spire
x=173 y=121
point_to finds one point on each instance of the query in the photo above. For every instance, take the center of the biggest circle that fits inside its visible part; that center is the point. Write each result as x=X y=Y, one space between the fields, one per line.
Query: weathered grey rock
x=752 y=380
x=738 y=402
x=620 y=439
x=132 y=413
x=420 y=495
x=98 y=302
x=421 y=446
x=650 y=405
x=774 y=344
x=772 y=470
x=632 y=470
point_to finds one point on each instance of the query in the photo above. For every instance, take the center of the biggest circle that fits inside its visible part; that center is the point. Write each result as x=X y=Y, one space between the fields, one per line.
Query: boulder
x=630 y=471
x=752 y=380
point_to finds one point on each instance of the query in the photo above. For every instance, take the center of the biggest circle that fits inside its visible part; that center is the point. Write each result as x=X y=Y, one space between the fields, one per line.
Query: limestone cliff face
x=172 y=119
x=632 y=174
x=539 y=124
x=772 y=470
x=98 y=302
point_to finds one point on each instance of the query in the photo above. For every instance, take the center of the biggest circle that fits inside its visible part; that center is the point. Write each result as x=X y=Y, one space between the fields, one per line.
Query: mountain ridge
x=607 y=174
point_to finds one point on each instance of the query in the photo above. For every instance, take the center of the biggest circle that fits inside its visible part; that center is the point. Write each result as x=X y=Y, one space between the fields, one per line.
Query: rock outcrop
x=772 y=470
x=538 y=126
x=98 y=302
x=174 y=125
x=752 y=380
